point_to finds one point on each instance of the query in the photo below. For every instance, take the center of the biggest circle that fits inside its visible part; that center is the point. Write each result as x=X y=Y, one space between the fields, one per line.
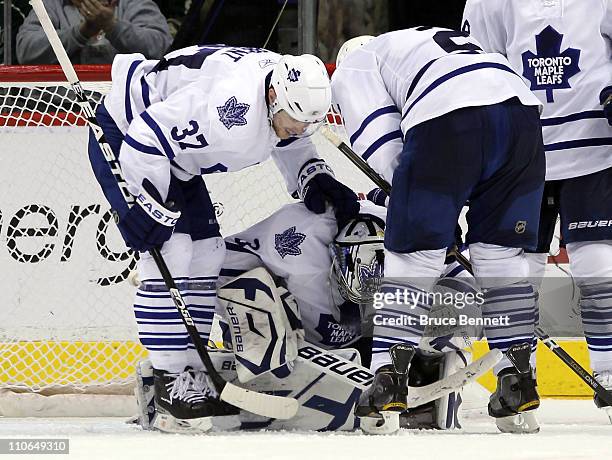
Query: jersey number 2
x=192 y=130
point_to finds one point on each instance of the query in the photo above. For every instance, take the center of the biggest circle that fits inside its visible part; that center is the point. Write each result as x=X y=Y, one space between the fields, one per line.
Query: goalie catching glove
x=148 y=224
x=318 y=186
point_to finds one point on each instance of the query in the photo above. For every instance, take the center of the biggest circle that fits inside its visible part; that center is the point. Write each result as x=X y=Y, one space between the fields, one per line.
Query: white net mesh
x=66 y=322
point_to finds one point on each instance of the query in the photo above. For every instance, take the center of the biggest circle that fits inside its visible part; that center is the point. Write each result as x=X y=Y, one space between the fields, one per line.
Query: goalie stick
x=257 y=403
x=570 y=362
x=360 y=377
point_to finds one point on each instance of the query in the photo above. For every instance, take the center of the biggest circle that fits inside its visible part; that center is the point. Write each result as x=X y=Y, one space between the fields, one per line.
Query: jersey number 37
x=179 y=135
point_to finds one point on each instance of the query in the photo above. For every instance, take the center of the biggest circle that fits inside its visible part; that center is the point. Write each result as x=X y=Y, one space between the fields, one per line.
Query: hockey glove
x=317 y=186
x=605 y=98
x=378 y=196
x=147 y=224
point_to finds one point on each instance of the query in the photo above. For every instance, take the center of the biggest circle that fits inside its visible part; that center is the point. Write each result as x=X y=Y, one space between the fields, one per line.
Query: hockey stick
x=570 y=362
x=257 y=403
x=580 y=371
x=360 y=377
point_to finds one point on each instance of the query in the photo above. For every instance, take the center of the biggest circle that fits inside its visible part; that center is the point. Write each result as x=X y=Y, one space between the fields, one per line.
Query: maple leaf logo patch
x=550 y=69
x=368 y=276
x=288 y=242
x=232 y=113
x=293 y=75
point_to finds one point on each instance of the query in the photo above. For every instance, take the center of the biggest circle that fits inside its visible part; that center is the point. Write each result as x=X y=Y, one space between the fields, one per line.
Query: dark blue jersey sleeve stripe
x=380 y=142
x=145 y=92
x=374 y=115
x=128 y=83
x=141 y=147
x=158 y=132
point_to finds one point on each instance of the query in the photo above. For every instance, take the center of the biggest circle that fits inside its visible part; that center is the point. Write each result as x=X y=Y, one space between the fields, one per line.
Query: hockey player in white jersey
x=198 y=111
x=562 y=50
x=445 y=123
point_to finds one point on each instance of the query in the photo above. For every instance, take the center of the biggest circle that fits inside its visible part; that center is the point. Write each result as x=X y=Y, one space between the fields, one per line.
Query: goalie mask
x=302 y=88
x=357 y=258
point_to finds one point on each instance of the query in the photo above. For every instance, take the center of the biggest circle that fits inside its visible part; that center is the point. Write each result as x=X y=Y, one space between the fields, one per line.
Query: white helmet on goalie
x=351 y=45
x=357 y=258
x=302 y=88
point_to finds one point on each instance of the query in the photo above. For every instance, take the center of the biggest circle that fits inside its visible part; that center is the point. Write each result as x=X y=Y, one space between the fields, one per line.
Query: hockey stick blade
x=360 y=377
x=279 y=407
x=436 y=390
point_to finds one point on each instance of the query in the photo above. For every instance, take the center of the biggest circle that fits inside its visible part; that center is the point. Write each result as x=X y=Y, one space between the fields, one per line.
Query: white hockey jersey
x=199 y=110
x=293 y=245
x=563 y=50
x=406 y=77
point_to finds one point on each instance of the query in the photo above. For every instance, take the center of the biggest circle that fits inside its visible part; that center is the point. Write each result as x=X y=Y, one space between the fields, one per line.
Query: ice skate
x=605 y=380
x=380 y=406
x=186 y=403
x=515 y=399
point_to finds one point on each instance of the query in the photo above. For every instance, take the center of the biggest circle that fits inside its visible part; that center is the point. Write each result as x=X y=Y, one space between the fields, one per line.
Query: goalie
x=320 y=285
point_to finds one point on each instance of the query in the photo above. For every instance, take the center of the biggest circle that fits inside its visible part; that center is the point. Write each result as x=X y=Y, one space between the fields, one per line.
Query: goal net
x=66 y=322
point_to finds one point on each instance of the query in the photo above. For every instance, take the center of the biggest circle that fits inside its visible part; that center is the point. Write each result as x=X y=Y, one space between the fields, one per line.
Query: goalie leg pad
x=264 y=324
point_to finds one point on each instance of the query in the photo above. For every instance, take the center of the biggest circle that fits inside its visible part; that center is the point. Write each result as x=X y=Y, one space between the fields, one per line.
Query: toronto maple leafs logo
x=369 y=275
x=293 y=75
x=232 y=113
x=288 y=242
x=550 y=69
x=338 y=334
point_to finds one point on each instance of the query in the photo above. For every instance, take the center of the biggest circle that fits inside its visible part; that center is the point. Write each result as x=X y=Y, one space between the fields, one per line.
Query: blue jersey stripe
x=141 y=147
x=418 y=76
x=455 y=73
x=592 y=142
x=158 y=133
x=370 y=118
x=128 y=84
x=380 y=142
x=145 y=92
x=554 y=121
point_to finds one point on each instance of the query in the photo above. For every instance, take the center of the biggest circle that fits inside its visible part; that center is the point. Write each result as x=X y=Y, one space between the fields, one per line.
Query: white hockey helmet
x=302 y=88
x=357 y=258
x=351 y=45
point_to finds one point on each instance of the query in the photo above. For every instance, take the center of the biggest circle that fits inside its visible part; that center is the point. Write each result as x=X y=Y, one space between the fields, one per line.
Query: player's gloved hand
x=605 y=99
x=148 y=224
x=378 y=196
x=317 y=186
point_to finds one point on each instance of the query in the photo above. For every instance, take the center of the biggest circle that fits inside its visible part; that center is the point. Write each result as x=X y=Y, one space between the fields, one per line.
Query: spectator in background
x=94 y=31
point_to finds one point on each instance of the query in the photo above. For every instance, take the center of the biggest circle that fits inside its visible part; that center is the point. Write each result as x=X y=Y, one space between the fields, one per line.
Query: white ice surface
x=570 y=430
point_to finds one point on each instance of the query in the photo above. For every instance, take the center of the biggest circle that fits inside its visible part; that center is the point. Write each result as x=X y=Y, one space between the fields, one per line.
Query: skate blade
x=168 y=424
x=387 y=424
x=525 y=423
